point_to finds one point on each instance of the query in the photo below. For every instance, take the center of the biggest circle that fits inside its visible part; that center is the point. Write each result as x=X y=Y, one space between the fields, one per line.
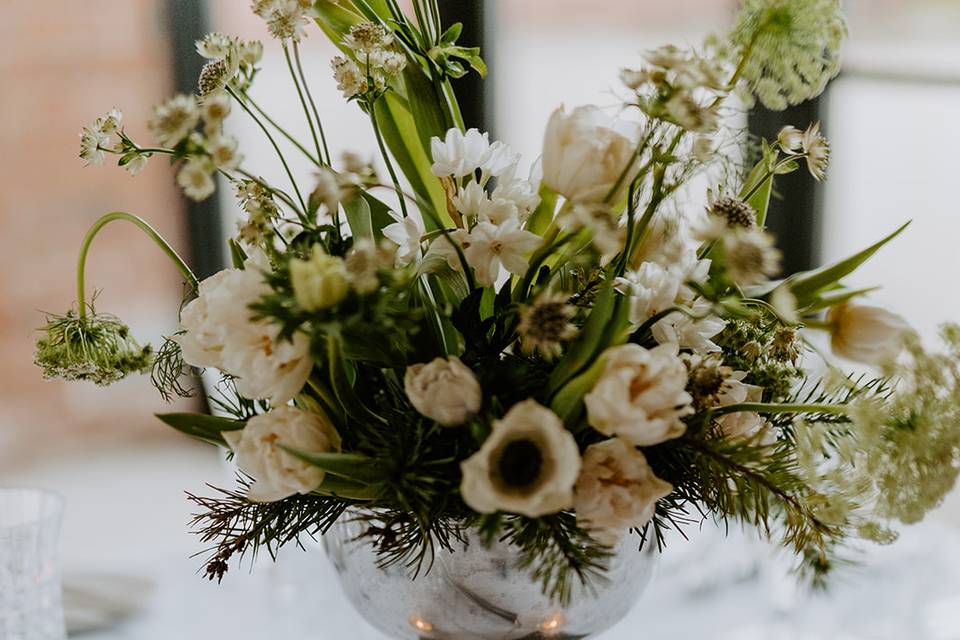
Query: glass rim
x=51 y=505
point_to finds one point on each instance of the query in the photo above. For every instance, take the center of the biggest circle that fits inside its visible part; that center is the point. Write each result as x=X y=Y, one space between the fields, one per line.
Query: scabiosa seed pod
x=735 y=212
x=790 y=48
x=546 y=324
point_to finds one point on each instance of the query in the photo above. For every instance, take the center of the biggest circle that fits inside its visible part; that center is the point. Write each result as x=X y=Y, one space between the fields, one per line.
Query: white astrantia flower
x=214 y=109
x=92 y=145
x=651 y=289
x=223 y=152
x=215 y=45
x=640 y=395
x=817 y=151
x=350 y=80
x=406 y=235
x=586 y=153
x=219 y=332
x=277 y=473
x=528 y=465
x=493 y=246
x=459 y=154
x=866 y=334
x=174 y=119
x=790 y=139
x=195 y=177
x=616 y=491
x=444 y=390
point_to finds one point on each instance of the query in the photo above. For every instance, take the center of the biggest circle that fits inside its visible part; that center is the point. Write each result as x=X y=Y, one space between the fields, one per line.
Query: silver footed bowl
x=482 y=593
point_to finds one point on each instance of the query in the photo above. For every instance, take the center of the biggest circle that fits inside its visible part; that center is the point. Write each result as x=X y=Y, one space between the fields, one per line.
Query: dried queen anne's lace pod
x=791 y=48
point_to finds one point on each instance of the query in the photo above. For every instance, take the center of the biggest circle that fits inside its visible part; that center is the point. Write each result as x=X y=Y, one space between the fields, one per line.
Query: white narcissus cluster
x=641 y=395
x=587 y=155
x=219 y=332
x=492 y=237
x=445 y=390
x=617 y=490
x=866 y=334
x=528 y=465
x=277 y=473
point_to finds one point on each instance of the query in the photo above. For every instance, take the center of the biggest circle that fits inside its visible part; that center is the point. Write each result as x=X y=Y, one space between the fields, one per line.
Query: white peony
x=866 y=334
x=278 y=474
x=219 y=332
x=585 y=153
x=528 y=465
x=640 y=395
x=616 y=490
x=445 y=390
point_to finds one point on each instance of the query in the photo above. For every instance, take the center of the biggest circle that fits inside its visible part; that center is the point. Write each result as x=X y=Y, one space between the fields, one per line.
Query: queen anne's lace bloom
x=792 y=48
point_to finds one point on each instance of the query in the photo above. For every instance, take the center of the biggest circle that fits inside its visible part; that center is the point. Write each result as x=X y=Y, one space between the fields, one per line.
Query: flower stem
x=147 y=229
x=296 y=189
x=773 y=408
x=313 y=105
x=303 y=100
x=286 y=134
x=386 y=158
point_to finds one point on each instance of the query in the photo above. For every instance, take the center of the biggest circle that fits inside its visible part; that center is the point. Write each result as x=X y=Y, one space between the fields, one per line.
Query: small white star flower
x=493 y=246
x=406 y=235
x=459 y=154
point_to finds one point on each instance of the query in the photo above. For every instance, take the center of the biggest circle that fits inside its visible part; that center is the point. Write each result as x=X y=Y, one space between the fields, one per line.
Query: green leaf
x=827 y=299
x=342 y=387
x=451 y=35
x=760 y=200
x=341 y=488
x=237 y=255
x=202 y=426
x=543 y=215
x=805 y=285
x=568 y=402
x=352 y=466
x=367 y=216
x=368 y=343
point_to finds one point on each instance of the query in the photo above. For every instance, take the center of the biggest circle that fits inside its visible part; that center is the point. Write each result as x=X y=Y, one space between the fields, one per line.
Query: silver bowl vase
x=480 y=593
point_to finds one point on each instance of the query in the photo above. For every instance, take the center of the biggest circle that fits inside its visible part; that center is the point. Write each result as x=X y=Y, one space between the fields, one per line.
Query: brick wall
x=63 y=63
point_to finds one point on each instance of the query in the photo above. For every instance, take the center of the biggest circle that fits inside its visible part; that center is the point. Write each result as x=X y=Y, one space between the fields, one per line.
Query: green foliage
x=202 y=426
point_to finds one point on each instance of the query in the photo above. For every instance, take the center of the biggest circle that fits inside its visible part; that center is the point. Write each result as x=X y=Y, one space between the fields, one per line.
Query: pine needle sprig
x=558 y=553
x=169 y=370
x=240 y=528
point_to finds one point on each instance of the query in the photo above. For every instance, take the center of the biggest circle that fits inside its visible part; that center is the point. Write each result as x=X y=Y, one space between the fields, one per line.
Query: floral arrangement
x=565 y=356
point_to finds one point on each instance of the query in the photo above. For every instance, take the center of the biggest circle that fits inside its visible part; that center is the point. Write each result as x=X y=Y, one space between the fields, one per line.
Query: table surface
x=126 y=529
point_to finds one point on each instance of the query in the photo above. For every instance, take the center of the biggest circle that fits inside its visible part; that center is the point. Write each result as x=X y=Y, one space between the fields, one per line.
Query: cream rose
x=585 y=153
x=866 y=334
x=640 y=395
x=278 y=474
x=616 y=490
x=445 y=390
x=219 y=331
x=528 y=465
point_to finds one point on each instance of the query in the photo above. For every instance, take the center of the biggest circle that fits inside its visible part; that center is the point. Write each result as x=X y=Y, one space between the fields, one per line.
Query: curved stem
x=313 y=105
x=296 y=189
x=386 y=158
x=303 y=100
x=147 y=229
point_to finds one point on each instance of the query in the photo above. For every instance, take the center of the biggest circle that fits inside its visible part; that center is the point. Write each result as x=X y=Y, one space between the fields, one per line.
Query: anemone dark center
x=520 y=464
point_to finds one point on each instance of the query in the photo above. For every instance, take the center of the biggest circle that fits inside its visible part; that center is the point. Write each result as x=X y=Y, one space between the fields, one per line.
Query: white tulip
x=866 y=334
x=616 y=490
x=278 y=474
x=528 y=465
x=640 y=395
x=445 y=390
x=586 y=153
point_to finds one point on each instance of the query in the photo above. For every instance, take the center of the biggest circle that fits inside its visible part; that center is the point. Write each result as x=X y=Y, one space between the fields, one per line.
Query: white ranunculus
x=459 y=154
x=640 y=395
x=866 y=334
x=445 y=390
x=219 y=332
x=278 y=474
x=651 y=289
x=689 y=333
x=528 y=465
x=616 y=490
x=585 y=153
